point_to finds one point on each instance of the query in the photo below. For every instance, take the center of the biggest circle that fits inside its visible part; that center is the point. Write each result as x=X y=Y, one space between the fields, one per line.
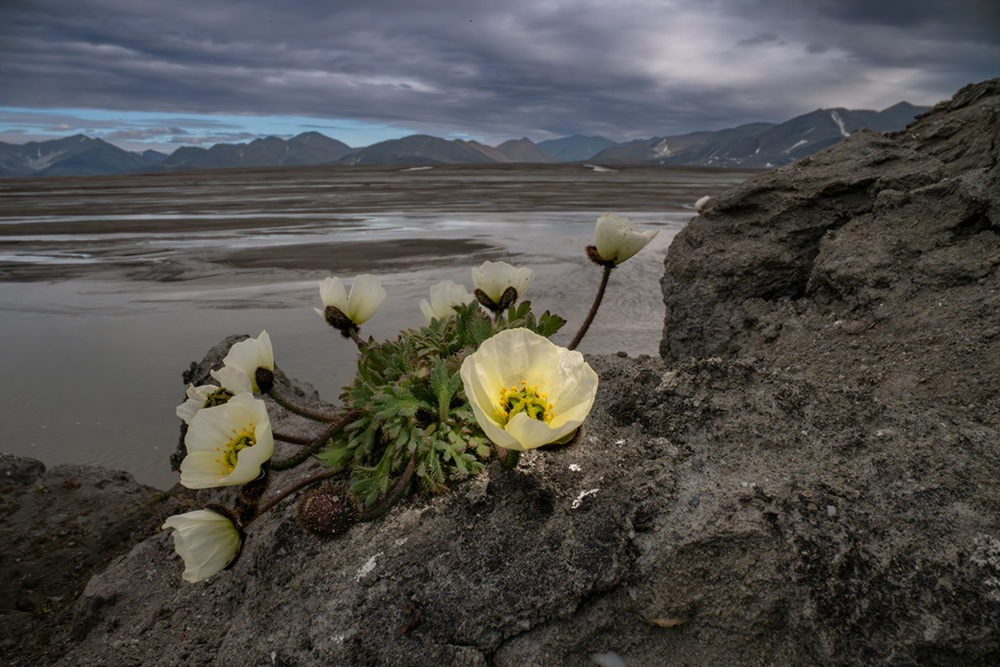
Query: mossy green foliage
x=411 y=402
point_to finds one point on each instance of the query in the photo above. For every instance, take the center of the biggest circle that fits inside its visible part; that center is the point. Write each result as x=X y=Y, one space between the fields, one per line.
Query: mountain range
x=760 y=145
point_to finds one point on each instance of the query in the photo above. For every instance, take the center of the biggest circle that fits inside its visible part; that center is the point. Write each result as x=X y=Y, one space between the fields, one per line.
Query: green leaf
x=549 y=324
x=481 y=330
x=334 y=456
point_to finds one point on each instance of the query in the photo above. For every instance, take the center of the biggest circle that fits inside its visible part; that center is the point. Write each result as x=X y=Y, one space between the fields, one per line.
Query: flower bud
x=251 y=355
x=329 y=511
x=444 y=297
x=207 y=540
x=367 y=296
x=499 y=285
x=617 y=239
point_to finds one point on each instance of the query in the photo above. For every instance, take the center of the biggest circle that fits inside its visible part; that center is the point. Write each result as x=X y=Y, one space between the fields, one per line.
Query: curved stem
x=316 y=445
x=379 y=509
x=302 y=412
x=353 y=334
x=593 y=309
x=293 y=439
x=298 y=486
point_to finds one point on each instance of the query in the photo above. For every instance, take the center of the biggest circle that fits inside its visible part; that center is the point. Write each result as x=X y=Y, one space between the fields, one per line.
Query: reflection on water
x=94 y=349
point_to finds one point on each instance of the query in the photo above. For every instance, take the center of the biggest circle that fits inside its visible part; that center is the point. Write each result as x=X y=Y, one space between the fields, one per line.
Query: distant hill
x=525 y=150
x=767 y=145
x=753 y=145
x=576 y=148
x=310 y=148
x=425 y=149
x=78 y=155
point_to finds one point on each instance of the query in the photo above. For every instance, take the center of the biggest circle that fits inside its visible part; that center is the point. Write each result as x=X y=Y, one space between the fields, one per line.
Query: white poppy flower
x=617 y=238
x=444 y=297
x=494 y=278
x=227 y=444
x=367 y=295
x=526 y=391
x=232 y=381
x=207 y=541
x=249 y=355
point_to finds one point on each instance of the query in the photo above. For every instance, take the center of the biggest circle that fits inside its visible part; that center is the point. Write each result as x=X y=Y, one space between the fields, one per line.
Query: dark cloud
x=493 y=70
x=761 y=38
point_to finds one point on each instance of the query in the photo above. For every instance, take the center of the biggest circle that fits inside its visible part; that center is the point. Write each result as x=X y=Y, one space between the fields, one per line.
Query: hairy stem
x=316 y=445
x=302 y=412
x=293 y=439
x=353 y=333
x=379 y=509
x=298 y=486
x=593 y=309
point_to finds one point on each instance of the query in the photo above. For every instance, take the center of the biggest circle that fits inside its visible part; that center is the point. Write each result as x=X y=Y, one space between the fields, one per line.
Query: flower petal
x=233 y=379
x=332 y=293
x=531 y=433
x=251 y=354
x=493 y=278
x=209 y=435
x=367 y=296
x=519 y=355
x=444 y=297
x=617 y=238
x=206 y=541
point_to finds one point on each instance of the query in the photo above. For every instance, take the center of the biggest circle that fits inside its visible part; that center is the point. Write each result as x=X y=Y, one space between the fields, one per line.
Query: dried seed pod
x=328 y=511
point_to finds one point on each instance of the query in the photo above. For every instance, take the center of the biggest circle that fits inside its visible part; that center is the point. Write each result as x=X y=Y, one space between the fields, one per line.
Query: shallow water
x=113 y=286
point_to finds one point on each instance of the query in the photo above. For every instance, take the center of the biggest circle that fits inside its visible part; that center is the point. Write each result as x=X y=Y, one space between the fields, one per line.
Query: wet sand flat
x=90 y=225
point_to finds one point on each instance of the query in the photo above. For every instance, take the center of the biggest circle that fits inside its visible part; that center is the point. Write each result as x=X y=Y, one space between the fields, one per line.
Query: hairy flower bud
x=252 y=355
x=498 y=284
x=329 y=511
x=367 y=296
x=617 y=239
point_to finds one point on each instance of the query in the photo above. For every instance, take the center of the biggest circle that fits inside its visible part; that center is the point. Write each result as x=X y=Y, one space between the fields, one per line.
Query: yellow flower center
x=241 y=440
x=527 y=400
x=218 y=397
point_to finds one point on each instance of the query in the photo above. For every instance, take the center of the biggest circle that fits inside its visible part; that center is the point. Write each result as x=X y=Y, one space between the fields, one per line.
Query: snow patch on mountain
x=840 y=123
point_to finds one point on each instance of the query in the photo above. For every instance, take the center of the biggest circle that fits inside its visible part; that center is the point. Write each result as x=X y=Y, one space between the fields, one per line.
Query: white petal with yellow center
x=617 y=238
x=493 y=278
x=232 y=382
x=207 y=541
x=503 y=363
x=227 y=444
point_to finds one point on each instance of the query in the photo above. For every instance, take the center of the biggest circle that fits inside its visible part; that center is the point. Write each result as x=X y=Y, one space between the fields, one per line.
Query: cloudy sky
x=160 y=74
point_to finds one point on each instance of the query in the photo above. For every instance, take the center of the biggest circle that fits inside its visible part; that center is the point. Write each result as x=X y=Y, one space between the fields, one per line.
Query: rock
x=598 y=549
x=58 y=528
x=893 y=236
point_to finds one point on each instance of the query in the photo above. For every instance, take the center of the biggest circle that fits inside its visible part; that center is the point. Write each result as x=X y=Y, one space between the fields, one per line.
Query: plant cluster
x=480 y=382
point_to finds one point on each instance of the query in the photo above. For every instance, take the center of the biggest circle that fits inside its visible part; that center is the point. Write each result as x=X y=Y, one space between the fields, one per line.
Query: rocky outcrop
x=58 y=528
x=873 y=262
x=713 y=513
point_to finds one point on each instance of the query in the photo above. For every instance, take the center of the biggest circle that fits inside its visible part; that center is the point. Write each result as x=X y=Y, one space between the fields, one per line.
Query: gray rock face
x=58 y=527
x=873 y=261
x=712 y=513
